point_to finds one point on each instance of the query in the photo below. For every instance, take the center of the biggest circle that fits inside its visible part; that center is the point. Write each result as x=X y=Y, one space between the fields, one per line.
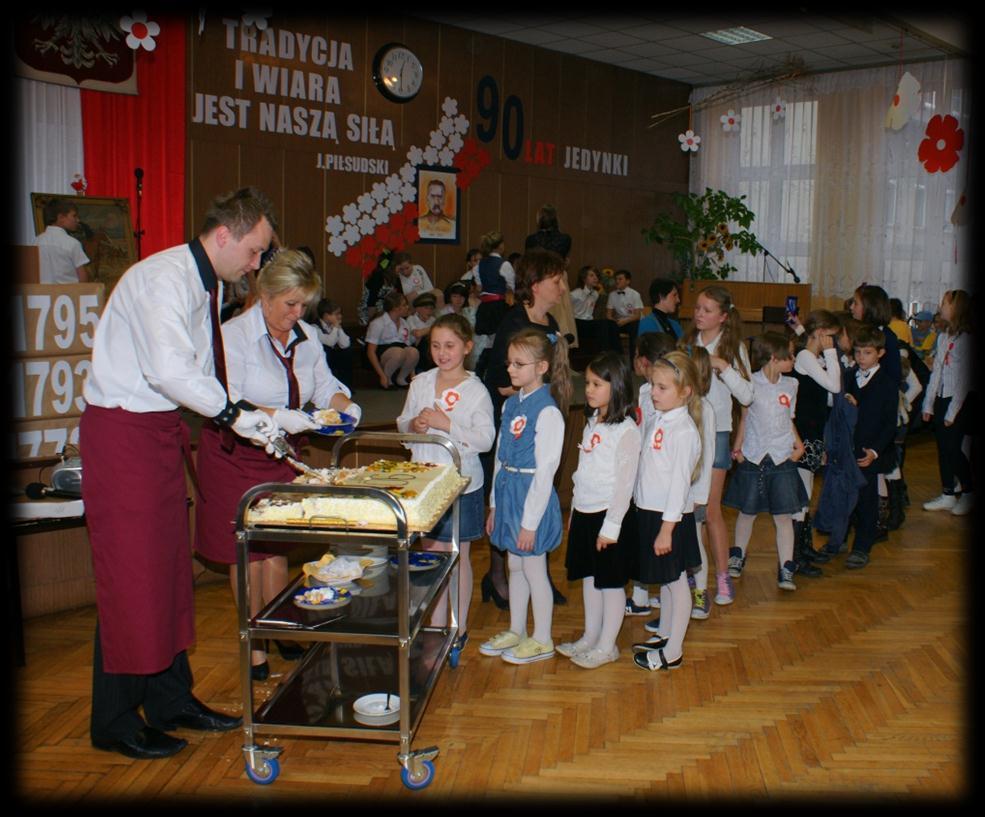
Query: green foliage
x=708 y=231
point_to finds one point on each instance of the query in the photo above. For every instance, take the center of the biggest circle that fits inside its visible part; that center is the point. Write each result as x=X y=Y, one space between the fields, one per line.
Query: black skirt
x=684 y=553
x=609 y=567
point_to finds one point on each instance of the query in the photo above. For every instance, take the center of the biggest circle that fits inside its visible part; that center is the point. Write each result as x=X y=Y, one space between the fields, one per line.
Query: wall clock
x=397 y=72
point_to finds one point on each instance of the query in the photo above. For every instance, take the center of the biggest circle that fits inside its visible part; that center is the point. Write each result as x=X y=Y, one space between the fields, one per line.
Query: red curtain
x=121 y=132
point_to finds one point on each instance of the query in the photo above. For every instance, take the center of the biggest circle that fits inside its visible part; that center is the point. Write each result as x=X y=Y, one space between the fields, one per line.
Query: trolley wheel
x=453 y=656
x=265 y=774
x=427 y=775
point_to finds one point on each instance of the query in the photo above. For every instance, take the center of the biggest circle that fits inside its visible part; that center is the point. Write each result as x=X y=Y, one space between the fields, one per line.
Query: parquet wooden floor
x=852 y=686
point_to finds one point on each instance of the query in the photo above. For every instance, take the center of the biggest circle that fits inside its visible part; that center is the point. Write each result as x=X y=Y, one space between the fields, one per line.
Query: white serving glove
x=353 y=410
x=294 y=421
x=257 y=427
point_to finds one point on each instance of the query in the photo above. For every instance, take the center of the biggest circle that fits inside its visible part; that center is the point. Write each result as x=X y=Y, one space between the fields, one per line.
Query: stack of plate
x=377 y=709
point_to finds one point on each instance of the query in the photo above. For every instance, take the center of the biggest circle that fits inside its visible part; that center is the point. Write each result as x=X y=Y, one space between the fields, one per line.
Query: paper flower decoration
x=689 y=141
x=449 y=107
x=730 y=121
x=905 y=101
x=79 y=184
x=140 y=32
x=334 y=225
x=415 y=156
x=939 y=151
x=779 y=109
x=407 y=173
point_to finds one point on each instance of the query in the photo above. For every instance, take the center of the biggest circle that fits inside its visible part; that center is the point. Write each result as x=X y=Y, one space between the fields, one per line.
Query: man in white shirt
x=624 y=307
x=158 y=349
x=61 y=257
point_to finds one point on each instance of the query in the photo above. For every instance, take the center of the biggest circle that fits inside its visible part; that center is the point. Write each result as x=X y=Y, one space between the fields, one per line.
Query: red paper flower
x=939 y=151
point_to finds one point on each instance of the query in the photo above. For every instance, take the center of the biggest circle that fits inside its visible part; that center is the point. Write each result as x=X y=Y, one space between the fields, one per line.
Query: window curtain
x=838 y=196
x=122 y=133
x=48 y=139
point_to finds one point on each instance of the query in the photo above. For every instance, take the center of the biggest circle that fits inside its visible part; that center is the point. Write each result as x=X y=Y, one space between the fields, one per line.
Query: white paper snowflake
x=449 y=106
x=431 y=155
x=447 y=127
x=394 y=203
x=455 y=142
x=408 y=173
x=351 y=234
x=414 y=156
x=366 y=224
x=381 y=213
x=730 y=121
x=392 y=184
x=366 y=203
x=334 y=225
x=408 y=192
x=461 y=124
x=336 y=246
x=446 y=156
x=378 y=192
x=438 y=140
x=350 y=213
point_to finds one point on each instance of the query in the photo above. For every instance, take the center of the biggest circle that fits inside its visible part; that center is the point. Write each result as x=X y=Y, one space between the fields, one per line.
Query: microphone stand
x=139 y=173
x=780 y=264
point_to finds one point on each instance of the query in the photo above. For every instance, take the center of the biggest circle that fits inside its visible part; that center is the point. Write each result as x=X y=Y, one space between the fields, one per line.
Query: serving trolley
x=379 y=643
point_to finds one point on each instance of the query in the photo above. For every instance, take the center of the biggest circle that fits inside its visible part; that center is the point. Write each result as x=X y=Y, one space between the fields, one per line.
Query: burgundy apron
x=134 y=491
x=223 y=477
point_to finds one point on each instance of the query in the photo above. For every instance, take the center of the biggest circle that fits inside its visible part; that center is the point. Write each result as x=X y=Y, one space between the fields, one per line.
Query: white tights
x=402 y=361
x=675 y=615
x=529 y=583
x=784 y=534
x=604 y=611
x=439 y=618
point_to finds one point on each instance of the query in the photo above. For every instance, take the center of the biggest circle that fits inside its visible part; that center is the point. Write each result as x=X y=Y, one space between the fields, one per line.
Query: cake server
x=283 y=447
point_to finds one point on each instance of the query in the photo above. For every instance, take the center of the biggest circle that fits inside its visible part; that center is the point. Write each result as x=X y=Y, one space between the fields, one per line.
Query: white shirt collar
x=863 y=376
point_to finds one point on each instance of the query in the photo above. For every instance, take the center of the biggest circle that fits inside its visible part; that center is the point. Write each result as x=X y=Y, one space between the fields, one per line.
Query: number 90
x=487 y=105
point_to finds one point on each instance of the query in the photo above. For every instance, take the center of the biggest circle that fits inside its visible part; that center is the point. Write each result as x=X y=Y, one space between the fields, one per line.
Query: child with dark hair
x=600 y=531
x=875 y=392
x=665 y=297
x=337 y=345
x=624 y=308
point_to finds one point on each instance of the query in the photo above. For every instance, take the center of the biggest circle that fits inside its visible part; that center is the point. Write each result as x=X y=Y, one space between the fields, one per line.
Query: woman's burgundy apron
x=139 y=536
x=223 y=477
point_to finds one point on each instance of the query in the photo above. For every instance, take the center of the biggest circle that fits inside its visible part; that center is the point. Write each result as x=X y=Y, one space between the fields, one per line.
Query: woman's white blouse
x=382 y=331
x=255 y=374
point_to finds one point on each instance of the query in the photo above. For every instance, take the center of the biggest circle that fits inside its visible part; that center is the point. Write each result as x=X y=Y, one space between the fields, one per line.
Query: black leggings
x=950 y=458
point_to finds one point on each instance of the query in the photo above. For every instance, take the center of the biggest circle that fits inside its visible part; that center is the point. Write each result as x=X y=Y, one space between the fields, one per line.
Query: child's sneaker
x=701 y=606
x=571 y=648
x=784 y=576
x=944 y=502
x=653 y=625
x=528 y=651
x=964 y=504
x=595 y=658
x=634 y=609
x=736 y=561
x=655 y=602
x=500 y=642
x=726 y=590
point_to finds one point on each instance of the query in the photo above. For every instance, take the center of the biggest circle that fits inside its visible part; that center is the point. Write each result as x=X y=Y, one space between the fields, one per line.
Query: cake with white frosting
x=424 y=491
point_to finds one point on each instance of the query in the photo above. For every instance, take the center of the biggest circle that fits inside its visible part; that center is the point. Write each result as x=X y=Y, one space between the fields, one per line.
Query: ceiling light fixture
x=735 y=36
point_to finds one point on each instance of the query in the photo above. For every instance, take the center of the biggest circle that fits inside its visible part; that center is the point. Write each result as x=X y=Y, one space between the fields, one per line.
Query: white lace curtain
x=48 y=139
x=838 y=197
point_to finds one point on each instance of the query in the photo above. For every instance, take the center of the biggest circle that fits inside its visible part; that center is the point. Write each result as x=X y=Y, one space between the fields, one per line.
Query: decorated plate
x=417 y=561
x=347 y=424
x=322 y=598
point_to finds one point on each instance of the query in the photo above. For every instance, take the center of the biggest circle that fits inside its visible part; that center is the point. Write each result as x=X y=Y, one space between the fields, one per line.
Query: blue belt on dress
x=513 y=470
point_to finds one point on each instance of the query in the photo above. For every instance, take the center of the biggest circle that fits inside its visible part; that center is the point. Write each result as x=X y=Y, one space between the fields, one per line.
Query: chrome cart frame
x=314 y=699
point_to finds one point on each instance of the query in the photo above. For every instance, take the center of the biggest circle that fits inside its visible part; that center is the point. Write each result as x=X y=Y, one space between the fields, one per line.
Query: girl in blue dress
x=524 y=513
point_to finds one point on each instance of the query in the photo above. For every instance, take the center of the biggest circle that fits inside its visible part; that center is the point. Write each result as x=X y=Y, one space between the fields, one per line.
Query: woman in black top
x=539 y=287
x=381 y=282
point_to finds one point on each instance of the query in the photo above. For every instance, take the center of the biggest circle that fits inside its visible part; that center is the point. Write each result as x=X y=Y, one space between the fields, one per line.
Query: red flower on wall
x=939 y=151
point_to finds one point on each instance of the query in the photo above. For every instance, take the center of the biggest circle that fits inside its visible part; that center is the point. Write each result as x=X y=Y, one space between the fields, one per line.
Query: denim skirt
x=765 y=488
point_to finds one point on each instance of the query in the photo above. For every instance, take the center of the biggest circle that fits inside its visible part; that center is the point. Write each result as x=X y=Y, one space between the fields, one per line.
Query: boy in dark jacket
x=876 y=393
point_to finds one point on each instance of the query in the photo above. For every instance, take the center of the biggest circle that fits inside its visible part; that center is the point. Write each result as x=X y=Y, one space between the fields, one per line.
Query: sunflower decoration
x=703 y=245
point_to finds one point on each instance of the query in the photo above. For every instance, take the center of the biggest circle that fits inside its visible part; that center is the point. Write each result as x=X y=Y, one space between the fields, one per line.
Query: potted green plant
x=708 y=232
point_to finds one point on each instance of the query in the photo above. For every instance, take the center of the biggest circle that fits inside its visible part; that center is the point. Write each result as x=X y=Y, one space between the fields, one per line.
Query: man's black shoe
x=196 y=715
x=149 y=743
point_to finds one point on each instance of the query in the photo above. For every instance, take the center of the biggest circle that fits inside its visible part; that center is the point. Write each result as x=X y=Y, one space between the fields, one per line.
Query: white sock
x=701 y=574
x=519 y=594
x=680 y=602
x=613 y=611
x=784 y=537
x=541 y=596
x=641 y=595
x=743 y=530
x=667 y=610
x=592 y=599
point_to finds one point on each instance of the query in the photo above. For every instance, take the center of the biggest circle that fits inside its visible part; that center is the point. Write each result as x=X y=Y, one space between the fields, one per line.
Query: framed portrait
x=105 y=232
x=439 y=205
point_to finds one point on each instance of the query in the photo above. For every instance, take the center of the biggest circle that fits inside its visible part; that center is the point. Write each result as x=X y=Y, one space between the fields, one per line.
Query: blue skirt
x=511 y=494
x=471 y=520
x=766 y=488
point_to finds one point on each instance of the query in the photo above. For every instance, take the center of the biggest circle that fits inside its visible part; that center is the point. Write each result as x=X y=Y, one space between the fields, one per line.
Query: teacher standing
x=276 y=362
x=550 y=237
x=157 y=349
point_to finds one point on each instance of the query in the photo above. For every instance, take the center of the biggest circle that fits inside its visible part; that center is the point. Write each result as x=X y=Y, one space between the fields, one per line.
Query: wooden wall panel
x=566 y=101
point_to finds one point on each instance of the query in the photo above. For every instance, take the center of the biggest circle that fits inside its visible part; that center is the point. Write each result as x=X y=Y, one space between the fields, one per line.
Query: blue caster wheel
x=266 y=774
x=453 y=657
x=423 y=781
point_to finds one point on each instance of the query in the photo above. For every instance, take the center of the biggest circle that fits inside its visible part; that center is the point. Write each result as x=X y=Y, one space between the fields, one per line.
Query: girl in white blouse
x=389 y=346
x=452 y=402
x=718 y=328
x=598 y=545
x=767 y=450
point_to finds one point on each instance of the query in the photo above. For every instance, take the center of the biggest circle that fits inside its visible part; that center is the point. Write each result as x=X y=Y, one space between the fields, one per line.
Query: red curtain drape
x=121 y=132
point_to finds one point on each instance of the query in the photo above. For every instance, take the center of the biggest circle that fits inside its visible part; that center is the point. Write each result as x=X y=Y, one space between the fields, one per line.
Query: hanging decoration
x=905 y=101
x=730 y=121
x=779 y=109
x=385 y=217
x=79 y=184
x=257 y=18
x=140 y=31
x=689 y=141
x=939 y=150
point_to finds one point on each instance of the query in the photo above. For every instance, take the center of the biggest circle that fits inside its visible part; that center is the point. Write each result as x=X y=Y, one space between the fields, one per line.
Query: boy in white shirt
x=625 y=308
x=420 y=327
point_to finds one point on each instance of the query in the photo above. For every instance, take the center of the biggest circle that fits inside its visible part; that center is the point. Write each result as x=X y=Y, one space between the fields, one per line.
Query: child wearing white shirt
x=768 y=446
x=334 y=340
